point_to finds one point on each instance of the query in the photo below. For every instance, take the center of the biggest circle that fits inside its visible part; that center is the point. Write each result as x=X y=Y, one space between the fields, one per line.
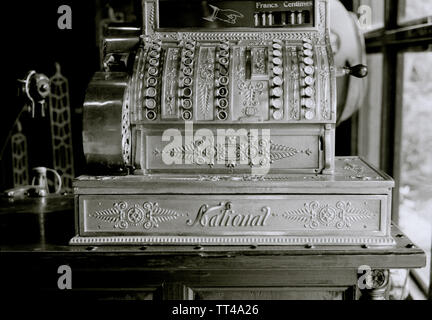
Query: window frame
x=392 y=40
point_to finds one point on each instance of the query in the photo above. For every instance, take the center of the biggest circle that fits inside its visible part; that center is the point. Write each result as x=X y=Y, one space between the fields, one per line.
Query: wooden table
x=34 y=244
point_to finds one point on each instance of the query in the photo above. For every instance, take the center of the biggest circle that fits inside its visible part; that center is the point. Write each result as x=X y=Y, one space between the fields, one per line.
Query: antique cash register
x=216 y=126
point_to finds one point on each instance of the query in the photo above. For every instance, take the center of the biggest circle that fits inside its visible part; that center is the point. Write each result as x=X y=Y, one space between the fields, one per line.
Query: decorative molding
x=195 y=155
x=126 y=128
x=206 y=74
x=341 y=216
x=123 y=215
x=294 y=85
x=170 y=108
x=233 y=240
x=358 y=171
x=233 y=36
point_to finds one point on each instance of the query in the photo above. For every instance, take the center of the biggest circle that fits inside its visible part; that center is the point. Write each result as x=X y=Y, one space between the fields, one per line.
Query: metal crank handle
x=358 y=71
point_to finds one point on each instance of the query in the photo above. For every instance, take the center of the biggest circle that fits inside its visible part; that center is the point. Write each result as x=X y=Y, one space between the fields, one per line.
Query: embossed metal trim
x=170 y=108
x=293 y=84
x=247 y=91
x=122 y=215
x=231 y=36
x=341 y=216
x=323 y=89
x=237 y=240
x=205 y=83
x=216 y=152
x=259 y=63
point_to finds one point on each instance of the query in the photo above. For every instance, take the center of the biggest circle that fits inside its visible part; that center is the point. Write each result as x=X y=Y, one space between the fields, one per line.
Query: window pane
x=414 y=9
x=371 y=14
x=416 y=155
x=369 y=144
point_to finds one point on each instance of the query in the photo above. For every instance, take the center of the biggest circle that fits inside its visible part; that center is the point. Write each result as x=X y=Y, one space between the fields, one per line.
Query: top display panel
x=220 y=14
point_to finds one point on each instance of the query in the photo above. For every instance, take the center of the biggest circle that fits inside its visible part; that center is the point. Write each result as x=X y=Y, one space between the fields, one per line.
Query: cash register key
x=222 y=115
x=224 y=46
x=150 y=103
x=308 y=53
x=277 y=53
x=308 y=91
x=308 y=103
x=278 y=115
x=277 y=81
x=307 y=40
x=154 y=54
x=309 y=70
x=222 y=103
x=223 y=61
x=153 y=71
x=308 y=61
x=277 y=71
x=189 y=54
x=277 y=92
x=276 y=103
x=277 y=46
x=151 y=115
x=223 y=53
x=154 y=62
x=186 y=103
x=186 y=92
x=152 y=82
x=277 y=61
x=187 y=81
x=224 y=80
x=187 y=71
x=151 y=92
x=190 y=46
x=188 y=61
x=309 y=80
x=222 y=92
x=187 y=115
x=309 y=115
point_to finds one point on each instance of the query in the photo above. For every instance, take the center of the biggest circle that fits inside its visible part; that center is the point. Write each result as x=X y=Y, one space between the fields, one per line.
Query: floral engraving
x=341 y=216
x=123 y=215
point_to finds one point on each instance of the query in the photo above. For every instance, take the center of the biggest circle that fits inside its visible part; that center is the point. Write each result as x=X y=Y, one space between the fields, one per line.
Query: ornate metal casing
x=238 y=85
x=225 y=117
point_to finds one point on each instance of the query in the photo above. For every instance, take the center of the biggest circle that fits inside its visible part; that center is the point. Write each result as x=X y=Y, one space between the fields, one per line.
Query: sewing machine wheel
x=349 y=49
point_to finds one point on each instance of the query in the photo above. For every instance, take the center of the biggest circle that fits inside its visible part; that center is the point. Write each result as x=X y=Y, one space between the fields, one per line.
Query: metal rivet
x=198 y=248
x=410 y=246
x=309 y=246
x=365 y=246
x=91 y=248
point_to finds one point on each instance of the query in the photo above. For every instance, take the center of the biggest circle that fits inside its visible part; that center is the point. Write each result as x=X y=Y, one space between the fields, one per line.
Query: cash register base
x=350 y=207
